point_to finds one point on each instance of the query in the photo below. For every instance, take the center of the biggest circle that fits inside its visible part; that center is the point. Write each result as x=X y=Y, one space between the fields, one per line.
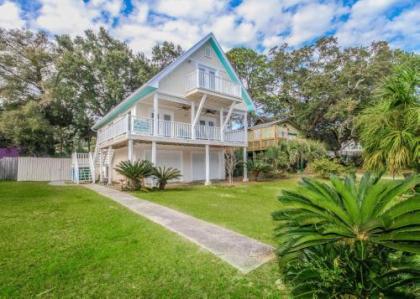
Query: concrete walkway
x=241 y=252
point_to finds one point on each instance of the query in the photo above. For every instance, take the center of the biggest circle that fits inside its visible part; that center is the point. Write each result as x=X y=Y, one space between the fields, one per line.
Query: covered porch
x=197 y=163
x=207 y=119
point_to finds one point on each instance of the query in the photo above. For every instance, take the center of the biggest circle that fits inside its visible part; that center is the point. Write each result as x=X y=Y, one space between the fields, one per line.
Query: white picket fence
x=44 y=169
x=8 y=168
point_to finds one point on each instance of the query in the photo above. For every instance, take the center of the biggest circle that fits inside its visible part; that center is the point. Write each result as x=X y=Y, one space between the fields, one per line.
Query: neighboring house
x=182 y=118
x=350 y=148
x=262 y=136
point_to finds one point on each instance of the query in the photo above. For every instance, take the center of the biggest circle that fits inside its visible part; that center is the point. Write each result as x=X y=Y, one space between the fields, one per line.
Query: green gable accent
x=247 y=100
x=124 y=106
x=229 y=70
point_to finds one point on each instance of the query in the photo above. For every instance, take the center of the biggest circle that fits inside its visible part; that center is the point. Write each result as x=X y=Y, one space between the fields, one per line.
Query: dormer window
x=207 y=52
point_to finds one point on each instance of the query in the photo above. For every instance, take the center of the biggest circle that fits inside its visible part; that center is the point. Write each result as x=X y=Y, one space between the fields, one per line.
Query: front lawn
x=70 y=242
x=245 y=208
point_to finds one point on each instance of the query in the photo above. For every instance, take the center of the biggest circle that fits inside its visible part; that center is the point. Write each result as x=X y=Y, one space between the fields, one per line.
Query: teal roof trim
x=247 y=99
x=231 y=73
x=124 y=106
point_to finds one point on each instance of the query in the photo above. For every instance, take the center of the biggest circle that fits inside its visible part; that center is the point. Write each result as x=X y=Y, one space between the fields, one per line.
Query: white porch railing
x=169 y=129
x=209 y=81
x=180 y=130
x=236 y=136
x=207 y=132
x=116 y=128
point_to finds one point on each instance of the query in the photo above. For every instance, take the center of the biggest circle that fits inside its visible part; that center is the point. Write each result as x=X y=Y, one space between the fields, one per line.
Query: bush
x=135 y=172
x=348 y=238
x=325 y=168
x=258 y=166
x=165 y=174
x=336 y=271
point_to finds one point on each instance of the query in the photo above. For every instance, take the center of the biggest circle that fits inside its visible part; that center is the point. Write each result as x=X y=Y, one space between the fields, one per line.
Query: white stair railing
x=92 y=167
x=75 y=168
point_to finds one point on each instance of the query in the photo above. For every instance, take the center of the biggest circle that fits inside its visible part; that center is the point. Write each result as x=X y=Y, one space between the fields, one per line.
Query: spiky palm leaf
x=135 y=172
x=371 y=211
x=165 y=174
x=335 y=271
x=258 y=166
x=389 y=129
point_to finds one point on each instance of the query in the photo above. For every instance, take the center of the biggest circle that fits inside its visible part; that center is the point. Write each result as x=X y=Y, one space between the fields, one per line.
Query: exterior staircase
x=89 y=167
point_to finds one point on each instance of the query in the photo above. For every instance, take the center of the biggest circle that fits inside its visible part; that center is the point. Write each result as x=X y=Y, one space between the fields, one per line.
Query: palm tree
x=390 y=129
x=258 y=166
x=135 y=172
x=164 y=175
x=362 y=214
x=277 y=157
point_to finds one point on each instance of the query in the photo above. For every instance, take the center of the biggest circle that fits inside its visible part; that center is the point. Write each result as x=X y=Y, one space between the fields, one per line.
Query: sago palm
x=135 y=172
x=389 y=129
x=385 y=213
x=336 y=271
x=258 y=166
x=165 y=174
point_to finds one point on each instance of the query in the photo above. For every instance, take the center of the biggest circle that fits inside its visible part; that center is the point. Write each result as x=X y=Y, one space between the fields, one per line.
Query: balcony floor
x=197 y=93
x=122 y=141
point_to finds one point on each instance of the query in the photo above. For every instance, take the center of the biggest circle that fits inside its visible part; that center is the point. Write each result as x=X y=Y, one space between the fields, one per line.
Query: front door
x=164 y=123
x=205 y=130
x=167 y=125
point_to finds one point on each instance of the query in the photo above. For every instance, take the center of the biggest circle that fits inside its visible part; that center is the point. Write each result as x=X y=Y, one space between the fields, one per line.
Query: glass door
x=167 y=125
x=206 y=78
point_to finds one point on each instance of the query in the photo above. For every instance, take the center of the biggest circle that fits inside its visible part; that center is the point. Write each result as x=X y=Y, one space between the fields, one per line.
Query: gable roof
x=153 y=84
x=274 y=122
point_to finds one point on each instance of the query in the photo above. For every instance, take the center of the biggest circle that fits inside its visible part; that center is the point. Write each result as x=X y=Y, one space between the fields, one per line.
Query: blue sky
x=259 y=24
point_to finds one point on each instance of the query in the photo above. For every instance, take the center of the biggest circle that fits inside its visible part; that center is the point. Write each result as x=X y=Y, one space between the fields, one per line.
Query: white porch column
x=246 y=127
x=154 y=152
x=222 y=130
x=207 y=182
x=101 y=167
x=245 y=158
x=155 y=114
x=109 y=165
x=130 y=150
x=192 y=120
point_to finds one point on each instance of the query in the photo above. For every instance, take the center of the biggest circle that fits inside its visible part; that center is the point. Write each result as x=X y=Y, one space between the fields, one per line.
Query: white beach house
x=184 y=117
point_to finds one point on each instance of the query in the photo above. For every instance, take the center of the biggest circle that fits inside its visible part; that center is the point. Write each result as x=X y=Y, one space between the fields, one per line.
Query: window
x=207 y=52
x=212 y=80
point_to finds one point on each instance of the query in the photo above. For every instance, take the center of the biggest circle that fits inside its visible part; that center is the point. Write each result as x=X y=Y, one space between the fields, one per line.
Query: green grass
x=70 y=242
x=245 y=208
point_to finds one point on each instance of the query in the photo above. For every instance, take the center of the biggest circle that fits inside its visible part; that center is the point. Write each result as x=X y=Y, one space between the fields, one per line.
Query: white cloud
x=67 y=16
x=312 y=21
x=231 y=32
x=10 y=16
x=405 y=29
x=272 y=41
x=366 y=23
x=196 y=9
x=142 y=37
x=266 y=15
x=253 y=23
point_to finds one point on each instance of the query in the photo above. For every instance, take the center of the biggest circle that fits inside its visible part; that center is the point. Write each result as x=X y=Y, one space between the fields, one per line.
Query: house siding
x=141 y=151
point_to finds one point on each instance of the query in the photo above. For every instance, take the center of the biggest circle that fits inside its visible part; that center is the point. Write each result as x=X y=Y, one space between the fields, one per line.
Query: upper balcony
x=169 y=131
x=201 y=80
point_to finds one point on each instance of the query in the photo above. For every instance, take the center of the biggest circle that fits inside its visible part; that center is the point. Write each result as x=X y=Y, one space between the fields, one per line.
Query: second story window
x=207 y=52
x=207 y=78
